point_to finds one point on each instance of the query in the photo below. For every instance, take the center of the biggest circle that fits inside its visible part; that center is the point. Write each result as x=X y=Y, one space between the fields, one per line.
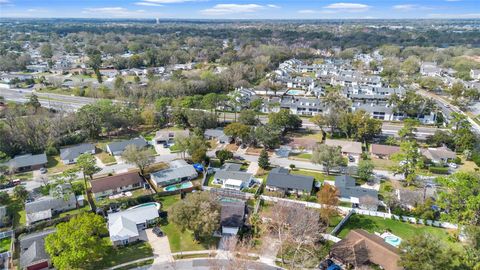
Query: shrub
x=457 y=160
x=51 y=151
x=438 y=170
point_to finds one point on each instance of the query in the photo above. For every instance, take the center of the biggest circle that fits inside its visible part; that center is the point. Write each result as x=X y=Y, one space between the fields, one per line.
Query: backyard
x=184 y=241
x=318 y=175
x=104 y=157
x=119 y=255
x=401 y=229
x=55 y=165
x=5 y=244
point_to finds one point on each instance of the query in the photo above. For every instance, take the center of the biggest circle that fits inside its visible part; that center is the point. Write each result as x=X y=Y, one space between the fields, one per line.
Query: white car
x=452 y=165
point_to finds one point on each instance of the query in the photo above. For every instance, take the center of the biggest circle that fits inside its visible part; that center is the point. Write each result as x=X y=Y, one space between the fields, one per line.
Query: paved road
x=205 y=264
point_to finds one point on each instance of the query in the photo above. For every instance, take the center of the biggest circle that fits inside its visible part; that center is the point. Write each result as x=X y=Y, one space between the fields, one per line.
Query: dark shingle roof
x=27 y=160
x=115 y=181
x=281 y=178
x=32 y=247
x=73 y=152
x=116 y=147
x=232 y=214
x=347 y=188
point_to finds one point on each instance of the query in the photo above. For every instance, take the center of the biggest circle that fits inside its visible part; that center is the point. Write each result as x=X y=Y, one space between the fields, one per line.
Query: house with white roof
x=230 y=177
x=126 y=226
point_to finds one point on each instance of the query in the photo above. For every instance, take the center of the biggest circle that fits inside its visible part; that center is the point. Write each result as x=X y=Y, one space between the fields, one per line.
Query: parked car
x=158 y=232
x=351 y=159
x=452 y=165
x=43 y=170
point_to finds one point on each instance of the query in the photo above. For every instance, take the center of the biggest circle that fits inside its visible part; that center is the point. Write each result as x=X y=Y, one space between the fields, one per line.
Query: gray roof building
x=179 y=170
x=235 y=175
x=347 y=188
x=232 y=214
x=27 y=160
x=217 y=134
x=281 y=178
x=117 y=148
x=47 y=206
x=32 y=248
x=71 y=153
x=3 y=213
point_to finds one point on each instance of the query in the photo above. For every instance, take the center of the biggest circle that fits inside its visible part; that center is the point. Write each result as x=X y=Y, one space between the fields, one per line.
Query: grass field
x=119 y=255
x=103 y=155
x=318 y=175
x=306 y=156
x=184 y=241
x=55 y=165
x=401 y=229
x=5 y=244
x=168 y=201
x=384 y=164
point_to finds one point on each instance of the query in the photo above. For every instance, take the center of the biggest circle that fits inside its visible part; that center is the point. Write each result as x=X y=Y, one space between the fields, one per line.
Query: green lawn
x=402 y=229
x=184 y=241
x=103 y=155
x=383 y=164
x=301 y=156
x=168 y=201
x=318 y=175
x=83 y=209
x=210 y=180
x=24 y=176
x=119 y=255
x=55 y=165
x=5 y=244
x=333 y=222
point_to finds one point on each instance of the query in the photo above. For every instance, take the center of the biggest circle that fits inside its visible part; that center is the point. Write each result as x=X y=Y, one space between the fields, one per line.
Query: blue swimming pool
x=295 y=92
x=393 y=240
x=146 y=204
x=178 y=186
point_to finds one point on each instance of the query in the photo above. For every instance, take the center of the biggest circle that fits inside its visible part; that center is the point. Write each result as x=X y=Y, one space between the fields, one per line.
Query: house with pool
x=178 y=171
x=129 y=226
x=230 y=177
x=111 y=185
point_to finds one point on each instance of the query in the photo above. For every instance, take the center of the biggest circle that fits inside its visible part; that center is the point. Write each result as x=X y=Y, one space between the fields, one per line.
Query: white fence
x=346 y=210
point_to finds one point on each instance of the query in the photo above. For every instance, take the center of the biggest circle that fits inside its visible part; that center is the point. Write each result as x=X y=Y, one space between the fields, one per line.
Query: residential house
x=217 y=134
x=430 y=69
x=381 y=111
x=32 y=251
x=280 y=179
x=305 y=83
x=439 y=155
x=126 y=226
x=475 y=74
x=366 y=94
x=360 y=249
x=410 y=199
x=109 y=185
x=109 y=72
x=38 y=68
x=298 y=106
x=365 y=198
x=232 y=217
x=27 y=162
x=70 y=155
x=47 y=206
x=230 y=177
x=350 y=148
x=179 y=171
x=117 y=148
x=168 y=136
x=383 y=151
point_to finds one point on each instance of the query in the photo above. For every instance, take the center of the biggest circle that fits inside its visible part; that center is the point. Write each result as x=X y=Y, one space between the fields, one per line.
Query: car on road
x=351 y=159
x=43 y=170
x=452 y=165
x=158 y=232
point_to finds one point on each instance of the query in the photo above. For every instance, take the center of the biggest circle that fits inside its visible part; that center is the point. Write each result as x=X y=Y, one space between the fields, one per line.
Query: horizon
x=241 y=9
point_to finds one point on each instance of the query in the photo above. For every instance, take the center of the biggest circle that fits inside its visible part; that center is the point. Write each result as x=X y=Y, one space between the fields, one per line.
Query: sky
x=242 y=9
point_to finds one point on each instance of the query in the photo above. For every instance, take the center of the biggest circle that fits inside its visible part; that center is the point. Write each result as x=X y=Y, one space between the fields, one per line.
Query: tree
x=34 y=103
x=320 y=121
x=223 y=155
x=408 y=129
x=4 y=198
x=138 y=157
x=268 y=136
x=411 y=65
x=328 y=157
x=328 y=197
x=95 y=62
x=78 y=242
x=457 y=90
x=461 y=197
x=148 y=116
x=365 y=127
x=198 y=212
x=248 y=117
x=336 y=104
x=237 y=131
x=87 y=164
x=426 y=252
x=283 y=120
x=409 y=161
x=20 y=193
x=365 y=169
x=46 y=51
x=263 y=160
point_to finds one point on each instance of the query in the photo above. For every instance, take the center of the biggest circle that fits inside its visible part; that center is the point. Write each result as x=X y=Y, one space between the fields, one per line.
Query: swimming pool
x=178 y=186
x=295 y=92
x=146 y=204
x=227 y=199
x=393 y=240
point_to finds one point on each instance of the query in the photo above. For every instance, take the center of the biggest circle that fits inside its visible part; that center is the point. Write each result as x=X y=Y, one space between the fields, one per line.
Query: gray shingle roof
x=281 y=178
x=347 y=188
x=48 y=202
x=118 y=147
x=27 y=160
x=176 y=172
x=32 y=247
x=224 y=175
x=73 y=152
x=232 y=214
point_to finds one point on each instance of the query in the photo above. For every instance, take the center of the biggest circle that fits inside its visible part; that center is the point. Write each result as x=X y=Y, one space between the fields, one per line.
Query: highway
x=73 y=103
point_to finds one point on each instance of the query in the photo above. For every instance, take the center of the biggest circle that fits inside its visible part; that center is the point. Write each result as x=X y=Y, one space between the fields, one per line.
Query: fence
x=341 y=223
x=358 y=211
x=229 y=193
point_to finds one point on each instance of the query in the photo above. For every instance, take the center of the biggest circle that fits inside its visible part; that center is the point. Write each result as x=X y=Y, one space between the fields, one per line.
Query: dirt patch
x=256 y=151
x=303 y=143
x=475 y=58
x=231 y=147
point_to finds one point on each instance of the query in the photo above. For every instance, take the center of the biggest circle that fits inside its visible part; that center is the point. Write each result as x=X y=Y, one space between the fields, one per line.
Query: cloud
x=6 y=3
x=169 y=1
x=148 y=4
x=405 y=7
x=226 y=9
x=348 y=7
x=113 y=11
x=307 y=11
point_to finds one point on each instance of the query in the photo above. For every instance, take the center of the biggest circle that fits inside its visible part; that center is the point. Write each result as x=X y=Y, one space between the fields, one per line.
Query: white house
x=475 y=74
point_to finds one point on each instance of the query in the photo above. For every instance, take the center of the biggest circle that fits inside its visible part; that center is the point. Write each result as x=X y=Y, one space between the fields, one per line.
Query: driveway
x=160 y=246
